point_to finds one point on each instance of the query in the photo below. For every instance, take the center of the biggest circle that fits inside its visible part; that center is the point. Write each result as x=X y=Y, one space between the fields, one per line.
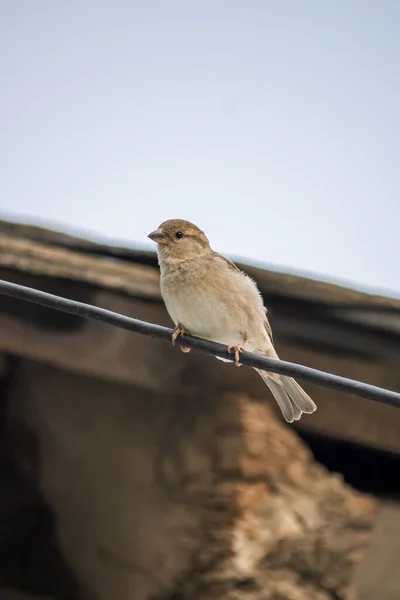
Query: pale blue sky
x=273 y=125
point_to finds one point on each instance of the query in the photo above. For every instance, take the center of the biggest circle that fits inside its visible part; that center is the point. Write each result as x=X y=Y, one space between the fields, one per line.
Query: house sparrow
x=206 y=295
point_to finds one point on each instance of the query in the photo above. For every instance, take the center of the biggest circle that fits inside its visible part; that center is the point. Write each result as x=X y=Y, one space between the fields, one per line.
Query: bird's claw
x=237 y=348
x=176 y=334
x=179 y=331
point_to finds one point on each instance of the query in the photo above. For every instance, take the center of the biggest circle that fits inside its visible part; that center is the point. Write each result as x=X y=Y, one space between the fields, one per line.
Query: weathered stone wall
x=201 y=495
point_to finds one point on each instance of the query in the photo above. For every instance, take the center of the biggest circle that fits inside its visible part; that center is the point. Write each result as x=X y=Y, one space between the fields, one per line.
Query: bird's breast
x=200 y=312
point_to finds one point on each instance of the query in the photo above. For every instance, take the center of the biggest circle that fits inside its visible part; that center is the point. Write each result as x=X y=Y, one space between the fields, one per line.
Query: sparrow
x=207 y=296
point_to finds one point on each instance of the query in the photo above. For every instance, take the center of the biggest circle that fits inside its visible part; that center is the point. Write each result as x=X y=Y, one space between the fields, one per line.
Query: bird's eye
x=179 y=235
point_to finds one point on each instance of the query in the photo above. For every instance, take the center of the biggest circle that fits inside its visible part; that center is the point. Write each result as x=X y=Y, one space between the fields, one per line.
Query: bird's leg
x=179 y=330
x=237 y=348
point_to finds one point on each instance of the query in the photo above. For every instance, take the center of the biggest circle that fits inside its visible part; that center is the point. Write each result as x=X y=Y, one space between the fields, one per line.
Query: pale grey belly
x=201 y=315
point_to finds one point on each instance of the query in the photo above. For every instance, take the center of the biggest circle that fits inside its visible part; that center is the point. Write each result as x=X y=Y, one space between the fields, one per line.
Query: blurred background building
x=108 y=435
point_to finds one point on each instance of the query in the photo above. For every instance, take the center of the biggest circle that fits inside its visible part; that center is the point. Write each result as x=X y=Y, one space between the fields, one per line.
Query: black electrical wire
x=87 y=311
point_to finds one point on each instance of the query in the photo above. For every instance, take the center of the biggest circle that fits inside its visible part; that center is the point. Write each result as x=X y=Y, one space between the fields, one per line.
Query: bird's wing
x=233 y=267
x=269 y=330
x=229 y=263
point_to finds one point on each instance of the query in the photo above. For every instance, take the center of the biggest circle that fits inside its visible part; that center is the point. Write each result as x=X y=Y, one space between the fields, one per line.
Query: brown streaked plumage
x=208 y=296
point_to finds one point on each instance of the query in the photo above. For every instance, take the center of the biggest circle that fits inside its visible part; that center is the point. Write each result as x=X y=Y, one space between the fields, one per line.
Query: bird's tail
x=291 y=398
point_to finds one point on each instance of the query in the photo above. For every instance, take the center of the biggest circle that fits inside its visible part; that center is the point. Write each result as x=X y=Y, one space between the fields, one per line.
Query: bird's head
x=179 y=240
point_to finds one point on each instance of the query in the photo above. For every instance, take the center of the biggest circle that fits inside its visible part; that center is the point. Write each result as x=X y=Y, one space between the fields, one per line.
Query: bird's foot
x=237 y=348
x=179 y=331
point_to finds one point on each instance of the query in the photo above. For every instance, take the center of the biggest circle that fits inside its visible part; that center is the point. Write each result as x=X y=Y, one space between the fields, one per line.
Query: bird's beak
x=157 y=236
